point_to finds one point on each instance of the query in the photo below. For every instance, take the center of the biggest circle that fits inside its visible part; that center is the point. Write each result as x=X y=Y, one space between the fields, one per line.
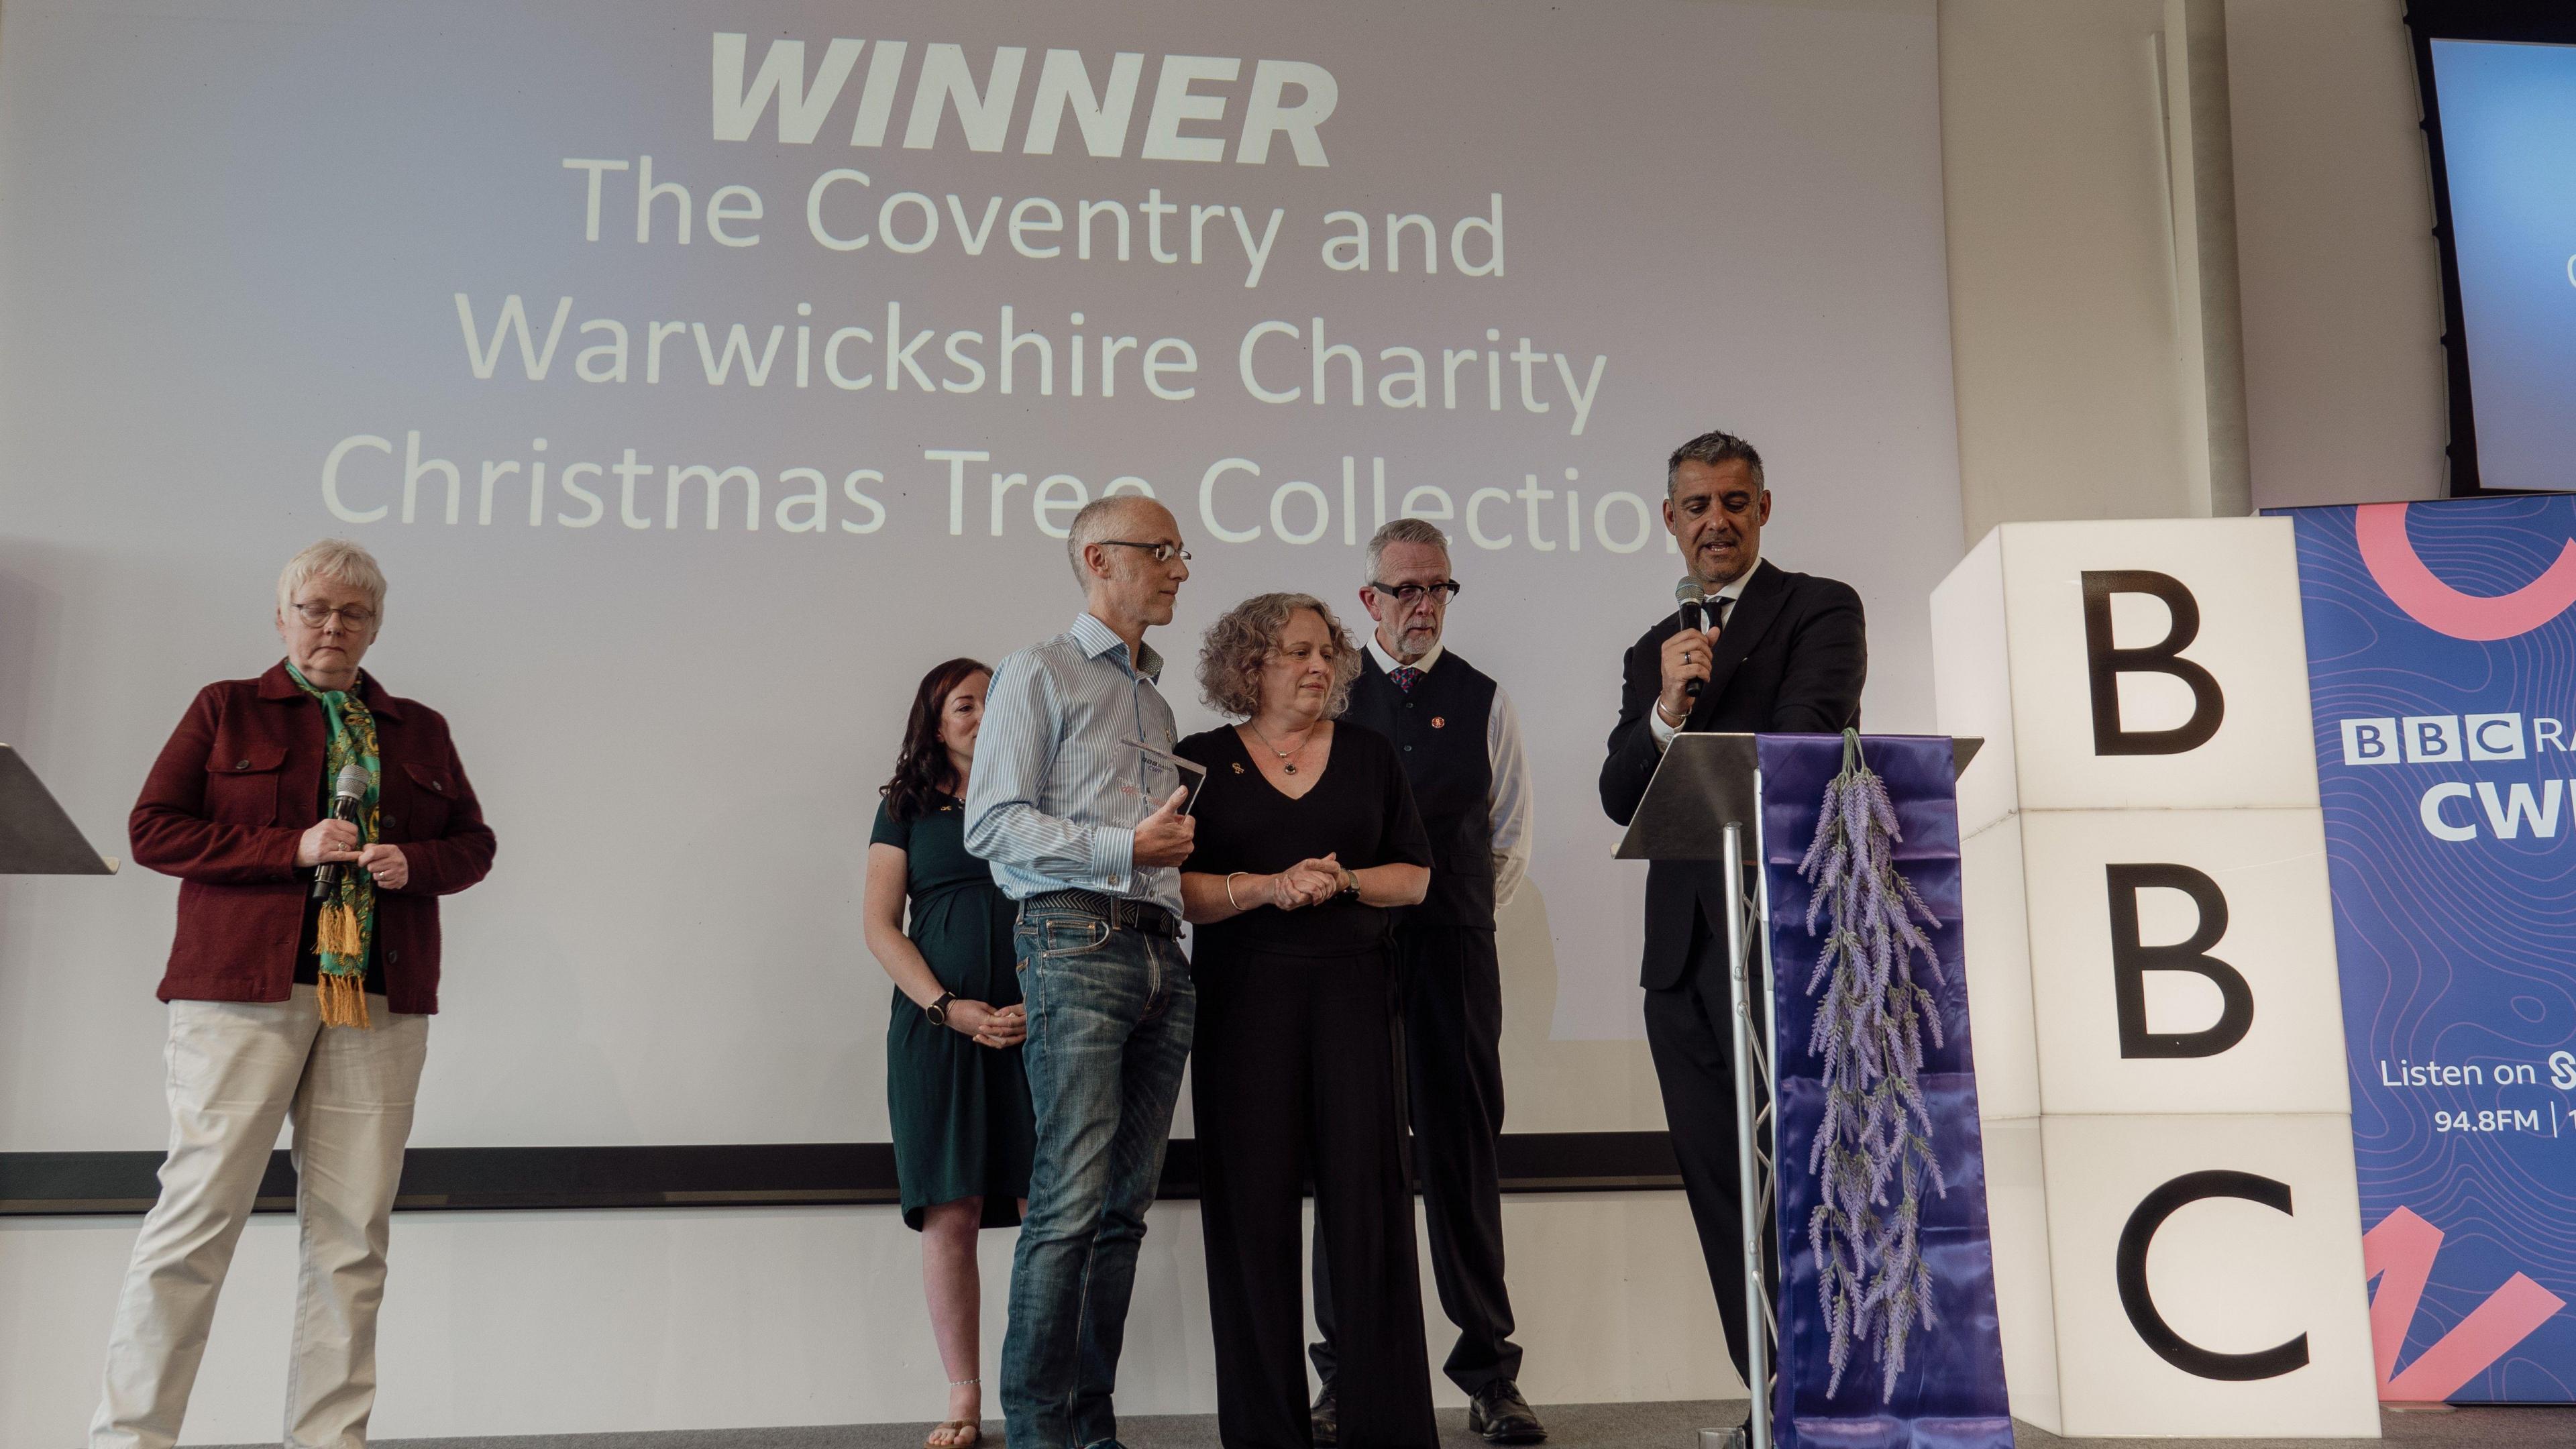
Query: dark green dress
x=963 y=1126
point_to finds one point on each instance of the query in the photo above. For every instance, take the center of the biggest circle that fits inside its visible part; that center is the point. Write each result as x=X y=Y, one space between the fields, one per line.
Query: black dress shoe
x=1500 y=1415
x=1326 y=1417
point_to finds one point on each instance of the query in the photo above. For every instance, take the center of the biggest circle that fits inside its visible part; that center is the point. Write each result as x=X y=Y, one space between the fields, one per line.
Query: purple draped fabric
x=1951 y=1394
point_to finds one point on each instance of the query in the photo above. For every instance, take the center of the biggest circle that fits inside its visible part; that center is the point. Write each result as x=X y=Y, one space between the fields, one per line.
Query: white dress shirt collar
x=1390 y=663
x=1734 y=588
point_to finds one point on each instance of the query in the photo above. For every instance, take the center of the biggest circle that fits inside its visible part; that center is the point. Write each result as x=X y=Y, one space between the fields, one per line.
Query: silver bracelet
x=1229 y=890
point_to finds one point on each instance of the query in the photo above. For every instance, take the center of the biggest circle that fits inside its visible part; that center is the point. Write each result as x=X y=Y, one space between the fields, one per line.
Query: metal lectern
x=36 y=837
x=1705 y=803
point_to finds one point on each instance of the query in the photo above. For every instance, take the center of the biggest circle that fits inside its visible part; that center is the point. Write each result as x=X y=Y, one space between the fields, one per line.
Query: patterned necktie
x=1404 y=676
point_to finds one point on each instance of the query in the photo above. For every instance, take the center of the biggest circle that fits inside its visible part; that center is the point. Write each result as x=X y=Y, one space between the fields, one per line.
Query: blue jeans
x=1110 y=1019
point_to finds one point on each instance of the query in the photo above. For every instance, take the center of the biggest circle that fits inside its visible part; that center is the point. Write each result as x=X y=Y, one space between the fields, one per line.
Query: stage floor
x=1573 y=1426
x=2518 y=1426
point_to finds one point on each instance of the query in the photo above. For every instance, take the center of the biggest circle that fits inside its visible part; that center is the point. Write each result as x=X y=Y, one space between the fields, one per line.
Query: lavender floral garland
x=1876 y=1136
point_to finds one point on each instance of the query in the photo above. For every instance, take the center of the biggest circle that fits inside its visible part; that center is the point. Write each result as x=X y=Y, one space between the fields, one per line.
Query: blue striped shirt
x=1054 y=798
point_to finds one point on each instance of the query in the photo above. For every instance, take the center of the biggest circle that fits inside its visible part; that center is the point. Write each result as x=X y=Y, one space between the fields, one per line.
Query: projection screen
x=702 y=373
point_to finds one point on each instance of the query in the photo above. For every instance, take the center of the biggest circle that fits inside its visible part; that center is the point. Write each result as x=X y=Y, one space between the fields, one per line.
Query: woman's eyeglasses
x=355 y=618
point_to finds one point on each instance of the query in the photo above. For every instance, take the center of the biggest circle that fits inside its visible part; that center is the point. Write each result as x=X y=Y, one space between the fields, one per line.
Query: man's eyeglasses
x=1160 y=552
x=1411 y=594
x=355 y=618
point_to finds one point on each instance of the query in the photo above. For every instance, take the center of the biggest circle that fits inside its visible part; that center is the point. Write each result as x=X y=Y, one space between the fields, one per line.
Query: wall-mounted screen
x=2499 y=88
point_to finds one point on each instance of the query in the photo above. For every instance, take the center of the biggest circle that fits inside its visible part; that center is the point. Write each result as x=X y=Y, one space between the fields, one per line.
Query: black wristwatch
x=937 y=1011
x=1350 y=884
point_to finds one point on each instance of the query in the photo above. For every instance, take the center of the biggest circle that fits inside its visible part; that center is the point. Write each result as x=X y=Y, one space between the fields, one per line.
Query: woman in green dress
x=955 y=1091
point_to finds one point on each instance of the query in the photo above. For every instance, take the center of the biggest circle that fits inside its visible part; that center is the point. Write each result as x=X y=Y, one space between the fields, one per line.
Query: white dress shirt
x=1721 y=605
x=1509 y=797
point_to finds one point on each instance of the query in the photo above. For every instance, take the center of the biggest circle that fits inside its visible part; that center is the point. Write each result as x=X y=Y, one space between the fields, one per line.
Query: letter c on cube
x=2139 y=1234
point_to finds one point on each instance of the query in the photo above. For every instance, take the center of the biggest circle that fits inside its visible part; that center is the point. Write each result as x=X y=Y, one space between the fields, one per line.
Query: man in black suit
x=1786 y=655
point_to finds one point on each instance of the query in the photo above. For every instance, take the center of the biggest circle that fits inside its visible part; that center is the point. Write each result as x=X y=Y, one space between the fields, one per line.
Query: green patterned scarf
x=348 y=924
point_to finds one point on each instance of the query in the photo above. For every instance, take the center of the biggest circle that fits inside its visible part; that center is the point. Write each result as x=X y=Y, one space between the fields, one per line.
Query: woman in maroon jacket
x=300 y=987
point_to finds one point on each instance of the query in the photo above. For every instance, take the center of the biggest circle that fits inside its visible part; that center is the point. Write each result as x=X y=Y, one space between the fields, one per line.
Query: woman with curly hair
x=1307 y=838
x=956 y=1095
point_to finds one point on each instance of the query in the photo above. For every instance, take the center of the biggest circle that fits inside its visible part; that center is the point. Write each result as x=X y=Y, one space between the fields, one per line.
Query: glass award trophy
x=1155 y=774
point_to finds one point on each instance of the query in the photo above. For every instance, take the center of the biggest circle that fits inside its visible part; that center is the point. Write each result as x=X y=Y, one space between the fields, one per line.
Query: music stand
x=36 y=837
x=1711 y=779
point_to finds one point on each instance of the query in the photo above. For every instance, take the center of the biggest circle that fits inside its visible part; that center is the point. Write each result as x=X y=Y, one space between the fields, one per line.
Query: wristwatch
x=1350 y=884
x=937 y=1011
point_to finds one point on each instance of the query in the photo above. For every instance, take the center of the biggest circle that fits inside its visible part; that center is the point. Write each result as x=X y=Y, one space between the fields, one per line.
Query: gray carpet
x=1572 y=1426
x=1669 y=1425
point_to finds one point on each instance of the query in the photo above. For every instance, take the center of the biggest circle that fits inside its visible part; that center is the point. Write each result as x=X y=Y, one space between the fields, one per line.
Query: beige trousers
x=237 y=1070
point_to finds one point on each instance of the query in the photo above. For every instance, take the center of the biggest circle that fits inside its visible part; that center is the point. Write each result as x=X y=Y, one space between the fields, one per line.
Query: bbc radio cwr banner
x=2441 y=642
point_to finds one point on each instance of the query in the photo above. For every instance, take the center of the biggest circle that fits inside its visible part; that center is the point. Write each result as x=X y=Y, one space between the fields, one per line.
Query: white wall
x=2063 y=310
x=2070 y=291
x=706 y=1318
x=2342 y=280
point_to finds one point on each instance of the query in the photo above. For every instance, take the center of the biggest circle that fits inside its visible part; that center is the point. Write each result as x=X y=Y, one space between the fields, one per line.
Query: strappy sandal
x=969 y=1432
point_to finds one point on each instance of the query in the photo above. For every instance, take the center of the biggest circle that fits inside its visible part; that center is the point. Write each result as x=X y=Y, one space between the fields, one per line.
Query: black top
x=1791 y=660
x=308 y=966
x=1440 y=732
x=1361 y=810
x=934 y=848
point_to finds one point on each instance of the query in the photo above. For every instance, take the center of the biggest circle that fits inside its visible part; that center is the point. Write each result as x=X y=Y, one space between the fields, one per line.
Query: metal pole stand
x=1757 y=1174
x=1705 y=779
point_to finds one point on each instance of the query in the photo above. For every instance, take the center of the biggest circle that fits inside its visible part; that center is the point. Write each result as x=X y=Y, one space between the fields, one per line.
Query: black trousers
x=1453 y=1039
x=1296 y=1074
x=1690 y=1030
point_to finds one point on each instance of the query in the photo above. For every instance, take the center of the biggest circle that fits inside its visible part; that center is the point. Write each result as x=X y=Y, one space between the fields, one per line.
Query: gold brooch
x=1238 y=767
x=1439 y=723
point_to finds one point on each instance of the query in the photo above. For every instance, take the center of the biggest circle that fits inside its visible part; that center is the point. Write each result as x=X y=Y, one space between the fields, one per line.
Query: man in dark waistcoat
x=1786 y=653
x=1460 y=745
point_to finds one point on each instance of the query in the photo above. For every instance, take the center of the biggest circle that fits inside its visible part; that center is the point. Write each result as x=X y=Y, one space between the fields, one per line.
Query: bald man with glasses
x=1076 y=807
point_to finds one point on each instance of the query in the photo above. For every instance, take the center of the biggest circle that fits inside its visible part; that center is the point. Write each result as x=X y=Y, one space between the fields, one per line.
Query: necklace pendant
x=1292 y=769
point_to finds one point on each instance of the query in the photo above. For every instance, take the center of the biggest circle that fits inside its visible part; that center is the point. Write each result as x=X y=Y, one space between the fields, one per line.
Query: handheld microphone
x=349 y=794
x=1694 y=602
